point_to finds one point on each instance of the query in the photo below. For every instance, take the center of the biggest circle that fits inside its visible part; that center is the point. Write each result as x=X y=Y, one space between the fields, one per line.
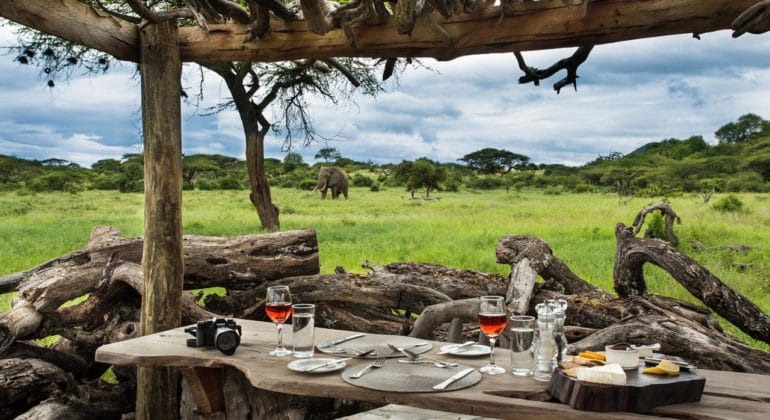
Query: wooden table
x=727 y=395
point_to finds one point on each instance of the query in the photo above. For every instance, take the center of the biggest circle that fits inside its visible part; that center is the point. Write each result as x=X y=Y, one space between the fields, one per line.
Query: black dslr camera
x=221 y=333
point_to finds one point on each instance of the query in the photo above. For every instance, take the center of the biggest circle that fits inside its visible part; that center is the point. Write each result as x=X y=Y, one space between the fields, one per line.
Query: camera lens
x=227 y=340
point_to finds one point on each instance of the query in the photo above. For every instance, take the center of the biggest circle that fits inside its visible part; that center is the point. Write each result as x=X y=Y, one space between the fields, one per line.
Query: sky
x=629 y=94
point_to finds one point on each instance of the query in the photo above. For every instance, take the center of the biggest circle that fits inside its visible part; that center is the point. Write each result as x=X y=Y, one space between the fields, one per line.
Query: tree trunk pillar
x=162 y=256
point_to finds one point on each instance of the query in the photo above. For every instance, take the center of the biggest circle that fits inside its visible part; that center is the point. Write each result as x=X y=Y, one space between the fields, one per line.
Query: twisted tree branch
x=534 y=75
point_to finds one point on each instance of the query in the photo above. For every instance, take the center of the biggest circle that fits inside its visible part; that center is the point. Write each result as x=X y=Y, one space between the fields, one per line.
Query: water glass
x=303 y=326
x=522 y=336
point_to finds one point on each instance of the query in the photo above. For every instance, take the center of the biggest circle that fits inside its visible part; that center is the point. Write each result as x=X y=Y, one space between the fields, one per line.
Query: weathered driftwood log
x=26 y=382
x=632 y=253
x=512 y=249
x=239 y=263
x=669 y=217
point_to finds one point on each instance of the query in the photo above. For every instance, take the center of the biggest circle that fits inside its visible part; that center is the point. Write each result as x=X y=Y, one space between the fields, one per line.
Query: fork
x=378 y=363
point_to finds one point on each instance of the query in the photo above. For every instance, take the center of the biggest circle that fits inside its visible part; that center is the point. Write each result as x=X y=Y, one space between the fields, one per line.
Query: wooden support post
x=162 y=261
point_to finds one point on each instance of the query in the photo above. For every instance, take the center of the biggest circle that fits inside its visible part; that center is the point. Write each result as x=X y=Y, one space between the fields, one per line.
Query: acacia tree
x=495 y=161
x=421 y=173
x=328 y=153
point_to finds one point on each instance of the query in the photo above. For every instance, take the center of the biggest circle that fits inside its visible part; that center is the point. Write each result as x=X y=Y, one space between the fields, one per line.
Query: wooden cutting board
x=642 y=391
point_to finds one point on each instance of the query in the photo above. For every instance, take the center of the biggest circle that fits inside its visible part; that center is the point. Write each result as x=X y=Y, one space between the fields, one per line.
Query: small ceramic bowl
x=623 y=354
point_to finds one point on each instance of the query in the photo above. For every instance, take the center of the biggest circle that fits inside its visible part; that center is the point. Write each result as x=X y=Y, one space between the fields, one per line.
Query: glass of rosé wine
x=492 y=319
x=278 y=308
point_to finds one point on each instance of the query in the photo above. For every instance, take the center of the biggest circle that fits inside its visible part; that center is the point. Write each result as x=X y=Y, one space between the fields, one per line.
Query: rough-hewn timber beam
x=534 y=26
x=74 y=21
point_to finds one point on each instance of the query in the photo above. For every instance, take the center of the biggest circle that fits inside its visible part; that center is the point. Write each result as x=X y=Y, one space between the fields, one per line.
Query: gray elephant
x=331 y=177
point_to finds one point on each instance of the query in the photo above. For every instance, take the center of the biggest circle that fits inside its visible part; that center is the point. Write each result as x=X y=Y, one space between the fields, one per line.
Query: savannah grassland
x=461 y=230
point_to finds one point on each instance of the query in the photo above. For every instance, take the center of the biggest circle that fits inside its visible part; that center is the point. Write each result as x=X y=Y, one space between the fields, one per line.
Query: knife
x=456 y=377
x=336 y=341
x=681 y=364
x=333 y=362
x=457 y=347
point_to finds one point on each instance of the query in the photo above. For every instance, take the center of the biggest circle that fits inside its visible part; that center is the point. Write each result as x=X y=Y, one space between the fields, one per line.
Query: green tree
x=422 y=173
x=494 y=161
x=106 y=166
x=293 y=161
x=196 y=165
x=328 y=153
x=748 y=126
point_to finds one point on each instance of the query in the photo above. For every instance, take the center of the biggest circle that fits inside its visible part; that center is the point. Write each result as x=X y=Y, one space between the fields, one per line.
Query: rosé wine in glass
x=278 y=308
x=492 y=319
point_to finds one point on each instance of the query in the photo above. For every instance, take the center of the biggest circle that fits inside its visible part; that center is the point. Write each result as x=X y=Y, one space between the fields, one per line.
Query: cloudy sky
x=628 y=94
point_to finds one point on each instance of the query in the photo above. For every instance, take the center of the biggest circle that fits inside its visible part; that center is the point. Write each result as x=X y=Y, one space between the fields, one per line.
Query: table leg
x=206 y=387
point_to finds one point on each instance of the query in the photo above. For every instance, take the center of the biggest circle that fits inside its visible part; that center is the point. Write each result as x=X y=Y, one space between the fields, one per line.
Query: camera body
x=224 y=334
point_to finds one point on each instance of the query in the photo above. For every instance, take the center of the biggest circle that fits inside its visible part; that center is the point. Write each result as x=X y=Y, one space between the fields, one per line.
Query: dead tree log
x=239 y=263
x=26 y=382
x=632 y=253
x=669 y=217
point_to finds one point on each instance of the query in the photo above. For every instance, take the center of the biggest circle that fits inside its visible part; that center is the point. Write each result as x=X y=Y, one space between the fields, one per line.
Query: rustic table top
x=727 y=395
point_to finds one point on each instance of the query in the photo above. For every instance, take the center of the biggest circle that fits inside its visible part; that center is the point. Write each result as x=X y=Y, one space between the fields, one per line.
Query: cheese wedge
x=611 y=374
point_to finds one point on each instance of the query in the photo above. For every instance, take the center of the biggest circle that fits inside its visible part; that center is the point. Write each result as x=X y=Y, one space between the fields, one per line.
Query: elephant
x=331 y=177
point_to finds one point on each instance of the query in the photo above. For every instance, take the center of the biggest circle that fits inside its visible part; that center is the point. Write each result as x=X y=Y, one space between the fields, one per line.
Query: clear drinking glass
x=522 y=337
x=303 y=329
x=492 y=322
x=278 y=308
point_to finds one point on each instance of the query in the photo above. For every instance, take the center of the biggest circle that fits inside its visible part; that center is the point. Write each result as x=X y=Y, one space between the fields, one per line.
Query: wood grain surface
x=727 y=395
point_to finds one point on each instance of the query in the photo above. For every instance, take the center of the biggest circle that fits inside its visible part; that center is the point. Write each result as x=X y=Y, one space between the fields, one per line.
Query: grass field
x=461 y=230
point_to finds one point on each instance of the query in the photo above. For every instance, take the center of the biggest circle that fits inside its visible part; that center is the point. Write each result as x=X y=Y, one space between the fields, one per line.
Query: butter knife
x=336 y=341
x=456 y=377
x=333 y=362
x=457 y=347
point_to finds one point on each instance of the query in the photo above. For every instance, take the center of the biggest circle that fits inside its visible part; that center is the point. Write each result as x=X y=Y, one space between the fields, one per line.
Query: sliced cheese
x=611 y=374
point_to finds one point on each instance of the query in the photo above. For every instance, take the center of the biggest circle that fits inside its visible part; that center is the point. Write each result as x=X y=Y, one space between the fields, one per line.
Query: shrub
x=229 y=183
x=487 y=183
x=105 y=182
x=729 y=203
x=656 y=224
x=746 y=182
x=584 y=188
x=205 y=185
x=362 y=181
x=374 y=188
x=306 y=184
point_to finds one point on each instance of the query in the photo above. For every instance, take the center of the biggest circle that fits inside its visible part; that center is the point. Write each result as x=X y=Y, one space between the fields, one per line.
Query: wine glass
x=278 y=308
x=492 y=319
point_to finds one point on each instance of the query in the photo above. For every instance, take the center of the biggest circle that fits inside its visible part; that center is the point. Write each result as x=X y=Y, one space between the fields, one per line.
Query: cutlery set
x=384 y=351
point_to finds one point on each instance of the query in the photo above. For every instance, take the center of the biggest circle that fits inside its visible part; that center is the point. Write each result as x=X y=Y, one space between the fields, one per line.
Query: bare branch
x=344 y=70
x=755 y=20
x=534 y=75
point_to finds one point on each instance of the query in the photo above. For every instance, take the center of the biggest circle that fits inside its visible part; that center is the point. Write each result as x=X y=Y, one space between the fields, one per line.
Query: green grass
x=461 y=230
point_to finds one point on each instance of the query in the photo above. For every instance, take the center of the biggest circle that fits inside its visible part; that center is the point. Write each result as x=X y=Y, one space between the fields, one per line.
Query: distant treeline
x=740 y=162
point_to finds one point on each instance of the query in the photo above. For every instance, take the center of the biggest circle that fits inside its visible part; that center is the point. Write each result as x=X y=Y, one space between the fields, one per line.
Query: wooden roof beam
x=536 y=25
